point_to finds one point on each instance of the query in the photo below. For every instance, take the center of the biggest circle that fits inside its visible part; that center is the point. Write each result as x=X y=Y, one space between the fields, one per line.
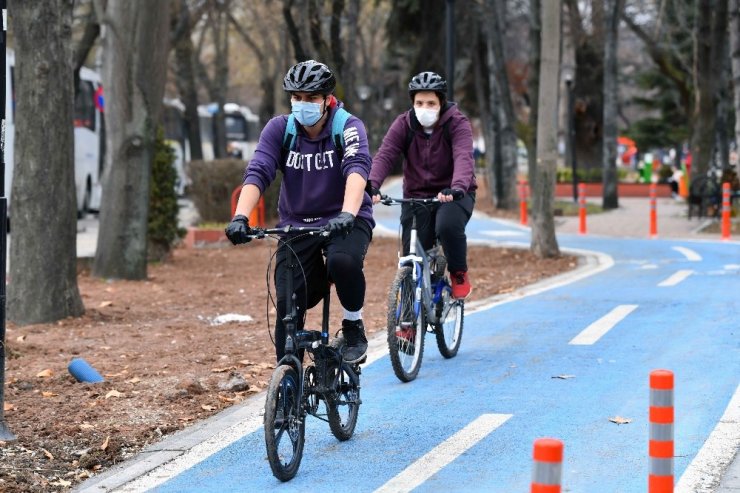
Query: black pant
x=444 y=220
x=343 y=266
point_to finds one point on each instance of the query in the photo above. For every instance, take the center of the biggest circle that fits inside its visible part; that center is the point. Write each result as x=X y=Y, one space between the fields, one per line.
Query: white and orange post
x=660 y=479
x=548 y=466
x=725 y=211
x=582 y=208
x=653 y=211
x=523 y=202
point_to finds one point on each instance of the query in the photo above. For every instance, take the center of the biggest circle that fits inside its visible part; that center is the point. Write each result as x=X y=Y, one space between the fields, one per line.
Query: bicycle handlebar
x=386 y=200
x=259 y=233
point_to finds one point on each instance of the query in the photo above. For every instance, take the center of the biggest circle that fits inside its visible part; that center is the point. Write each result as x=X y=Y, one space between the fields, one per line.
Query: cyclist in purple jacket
x=323 y=184
x=436 y=140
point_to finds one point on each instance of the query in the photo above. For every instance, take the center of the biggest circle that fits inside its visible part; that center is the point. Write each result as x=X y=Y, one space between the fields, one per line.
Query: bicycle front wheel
x=406 y=327
x=285 y=426
x=450 y=328
x=344 y=405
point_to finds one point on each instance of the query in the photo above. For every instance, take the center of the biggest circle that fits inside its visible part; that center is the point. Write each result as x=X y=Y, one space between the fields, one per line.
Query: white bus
x=89 y=136
x=176 y=135
x=242 y=130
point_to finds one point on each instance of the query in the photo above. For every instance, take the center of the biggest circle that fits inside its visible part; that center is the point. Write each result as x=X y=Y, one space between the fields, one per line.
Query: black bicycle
x=420 y=301
x=296 y=390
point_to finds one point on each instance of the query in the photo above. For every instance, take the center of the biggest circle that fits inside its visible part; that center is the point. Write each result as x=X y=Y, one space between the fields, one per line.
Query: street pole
x=450 y=49
x=570 y=142
x=5 y=434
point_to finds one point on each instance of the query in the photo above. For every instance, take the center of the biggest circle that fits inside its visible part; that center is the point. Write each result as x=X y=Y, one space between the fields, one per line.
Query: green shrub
x=162 y=230
x=212 y=185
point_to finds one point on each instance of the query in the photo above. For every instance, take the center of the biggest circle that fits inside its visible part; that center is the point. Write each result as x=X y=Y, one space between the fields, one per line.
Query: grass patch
x=212 y=225
x=570 y=208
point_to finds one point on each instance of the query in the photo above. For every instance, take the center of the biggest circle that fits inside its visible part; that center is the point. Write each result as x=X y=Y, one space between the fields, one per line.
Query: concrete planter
x=204 y=237
x=623 y=190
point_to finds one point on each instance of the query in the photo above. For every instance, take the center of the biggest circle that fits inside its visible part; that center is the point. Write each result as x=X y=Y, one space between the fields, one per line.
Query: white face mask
x=426 y=116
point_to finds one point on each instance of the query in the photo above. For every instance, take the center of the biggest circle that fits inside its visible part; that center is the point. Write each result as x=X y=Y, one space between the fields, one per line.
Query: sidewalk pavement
x=632 y=220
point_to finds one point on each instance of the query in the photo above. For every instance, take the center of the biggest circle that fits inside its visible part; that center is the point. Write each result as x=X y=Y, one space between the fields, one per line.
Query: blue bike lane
x=560 y=362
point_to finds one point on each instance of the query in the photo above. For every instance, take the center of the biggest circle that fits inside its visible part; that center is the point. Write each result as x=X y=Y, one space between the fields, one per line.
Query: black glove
x=238 y=230
x=371 y=190
x=456 y=193
x=342 y=224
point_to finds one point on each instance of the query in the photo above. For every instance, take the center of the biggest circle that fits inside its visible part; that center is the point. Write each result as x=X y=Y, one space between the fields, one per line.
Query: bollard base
x=5 y=433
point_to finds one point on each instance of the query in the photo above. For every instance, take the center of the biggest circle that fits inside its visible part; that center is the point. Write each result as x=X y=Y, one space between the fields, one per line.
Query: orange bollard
x=582 y=208
x=523 y=202
x=683 y=186
x=725 y=211
x=653 y=211
x=548 y=465
x=660 y=478
x=257 y=217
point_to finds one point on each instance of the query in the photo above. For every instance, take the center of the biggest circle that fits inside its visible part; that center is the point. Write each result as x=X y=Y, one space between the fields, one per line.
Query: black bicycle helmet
x=309 y=76
x=428 y=81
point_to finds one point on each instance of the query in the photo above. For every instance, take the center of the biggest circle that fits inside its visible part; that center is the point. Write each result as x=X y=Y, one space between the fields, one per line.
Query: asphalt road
x=557 y=360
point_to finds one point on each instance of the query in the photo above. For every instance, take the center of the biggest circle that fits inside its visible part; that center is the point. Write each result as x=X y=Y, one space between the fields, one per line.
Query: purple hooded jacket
x=312 y=191
x=431 y=164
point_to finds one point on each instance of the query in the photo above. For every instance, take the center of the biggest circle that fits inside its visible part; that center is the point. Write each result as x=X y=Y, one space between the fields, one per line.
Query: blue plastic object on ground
x=83 y=372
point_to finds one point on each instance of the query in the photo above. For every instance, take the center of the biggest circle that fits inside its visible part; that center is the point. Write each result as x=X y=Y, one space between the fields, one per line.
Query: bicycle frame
x=419 y=260
x=313 y=341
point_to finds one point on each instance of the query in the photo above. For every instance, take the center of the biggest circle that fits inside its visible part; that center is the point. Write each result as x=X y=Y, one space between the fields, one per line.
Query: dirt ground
x=165 y=360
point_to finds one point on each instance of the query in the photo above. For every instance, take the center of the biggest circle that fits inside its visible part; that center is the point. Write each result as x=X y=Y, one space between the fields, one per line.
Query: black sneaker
x=355 y=341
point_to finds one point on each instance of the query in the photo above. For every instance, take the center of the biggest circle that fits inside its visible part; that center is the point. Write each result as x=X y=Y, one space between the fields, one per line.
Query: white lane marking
x=596 y=330
x=704 y=472
x=498 y=233
x=688 y=253
x=677 y=277
x=444 y=453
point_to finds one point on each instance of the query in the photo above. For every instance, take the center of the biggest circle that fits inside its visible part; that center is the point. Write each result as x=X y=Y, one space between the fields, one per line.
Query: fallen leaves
x=47 y=454
x=45 y=373
x=48 y=394
x=113 y=393
x=105 y=443
x=208 y=407
x=104 y=304
x=7 y=406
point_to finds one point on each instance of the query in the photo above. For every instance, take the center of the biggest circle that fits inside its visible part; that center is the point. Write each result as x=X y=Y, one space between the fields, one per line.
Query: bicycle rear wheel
x=450 y=328
x=343 y=407
x=285 y=425
x=406 y=327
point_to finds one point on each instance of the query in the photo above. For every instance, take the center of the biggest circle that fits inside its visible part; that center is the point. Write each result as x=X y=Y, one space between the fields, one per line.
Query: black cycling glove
x=342 y=224
x=238 y=230
x=456 y=193
x=371 y=190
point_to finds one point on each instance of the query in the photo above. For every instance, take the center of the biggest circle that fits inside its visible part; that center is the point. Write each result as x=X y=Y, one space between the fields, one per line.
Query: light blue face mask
x=307 y=114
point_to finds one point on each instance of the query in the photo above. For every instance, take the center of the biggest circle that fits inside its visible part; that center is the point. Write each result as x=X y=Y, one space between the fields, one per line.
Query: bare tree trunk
x=544 y=243
x=610 y=199
x=735 y=55
x=533 y=88
x=43 y=254
x=496 y=17
x=134 y=70
x=711 y=26
x=185 y=76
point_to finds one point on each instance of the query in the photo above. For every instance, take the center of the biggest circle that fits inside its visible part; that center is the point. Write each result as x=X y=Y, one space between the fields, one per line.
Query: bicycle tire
x=406 y=352
x=283 y=395
x=450 y=328
x=347 y=395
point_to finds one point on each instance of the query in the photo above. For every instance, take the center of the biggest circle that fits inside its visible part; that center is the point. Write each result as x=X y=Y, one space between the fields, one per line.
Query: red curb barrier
x=661 y=445
x=581 y=208
x=523 y=202
x=653 y=211
x=725 y=211
x=548 y=465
